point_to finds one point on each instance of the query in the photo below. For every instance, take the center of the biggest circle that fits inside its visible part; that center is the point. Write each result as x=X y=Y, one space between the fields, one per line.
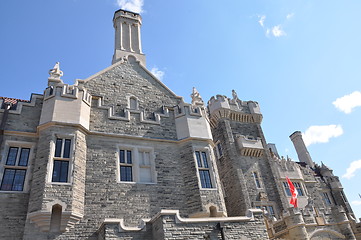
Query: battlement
x=250 y=146
x=221 y=106
x=127 y=14
x=309 y=222
x=16 y=105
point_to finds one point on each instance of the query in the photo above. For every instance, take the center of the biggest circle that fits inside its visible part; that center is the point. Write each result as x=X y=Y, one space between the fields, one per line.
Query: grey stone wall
x=131 y=80
x=208 y=230
x=13 y=209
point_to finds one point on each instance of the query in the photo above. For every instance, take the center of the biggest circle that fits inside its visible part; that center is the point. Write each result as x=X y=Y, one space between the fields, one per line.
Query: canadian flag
x=294 y=193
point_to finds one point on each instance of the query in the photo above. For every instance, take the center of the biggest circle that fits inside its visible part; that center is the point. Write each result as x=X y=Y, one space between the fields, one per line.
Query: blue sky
x=299 y=59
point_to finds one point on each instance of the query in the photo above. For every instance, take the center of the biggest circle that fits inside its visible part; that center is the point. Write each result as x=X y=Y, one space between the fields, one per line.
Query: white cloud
x=131 y=5
x=321 y=134
x=348 y=102
x=350 y=171
x=290 y=15
x=356 y=203
x=261 y=20
x=277 y=31
x=158 y=73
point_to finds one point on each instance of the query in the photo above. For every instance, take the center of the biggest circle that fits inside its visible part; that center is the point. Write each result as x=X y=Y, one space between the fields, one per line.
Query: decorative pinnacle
x=56 y=72
x=234 y=95
x=196 y=97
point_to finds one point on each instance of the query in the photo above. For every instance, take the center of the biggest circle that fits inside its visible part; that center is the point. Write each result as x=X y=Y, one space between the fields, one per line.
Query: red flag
x=293 y=190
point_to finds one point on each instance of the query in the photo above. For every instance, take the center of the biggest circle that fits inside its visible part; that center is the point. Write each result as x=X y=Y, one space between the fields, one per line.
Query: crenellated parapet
x=311 y=222
x=65 y=103
x=16 y=105
x=234 y=109
x=250 y=146
x=126 y=113
x=192 y=119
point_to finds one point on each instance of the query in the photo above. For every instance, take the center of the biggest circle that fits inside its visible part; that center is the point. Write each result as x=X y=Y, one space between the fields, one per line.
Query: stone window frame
x=269 y=206
x=299 y=188
x=70 y=160
x=136 y=164
x=257 y=180
x=342 y=194
x=210 y=167
x=130 y=106
x=326 y=198
x=218 y=149
x=18 y=144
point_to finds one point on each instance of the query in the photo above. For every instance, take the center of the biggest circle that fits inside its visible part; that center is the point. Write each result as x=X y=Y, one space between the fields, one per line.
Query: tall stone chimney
x=302 y=152
x=127 y=36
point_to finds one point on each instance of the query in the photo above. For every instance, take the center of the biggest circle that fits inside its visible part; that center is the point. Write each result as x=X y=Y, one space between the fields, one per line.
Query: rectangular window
x=145 y=170
x=326 y=198
x=268 y=208
x=256 y=179
x=203 y=169
x=219 y=149
x=287 y=189
x=62 y=148
x=343 y=196
x=62 y=160
x=15 y=169
x=126 y=165
x=60 y=171
x=298 y=187
x=13 y=179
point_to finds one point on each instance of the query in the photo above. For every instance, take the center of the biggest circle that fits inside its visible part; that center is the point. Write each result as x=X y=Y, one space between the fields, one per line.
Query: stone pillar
x=302 y=152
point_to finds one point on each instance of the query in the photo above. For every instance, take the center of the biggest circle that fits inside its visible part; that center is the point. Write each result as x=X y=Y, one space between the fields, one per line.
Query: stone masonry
x=119 y=156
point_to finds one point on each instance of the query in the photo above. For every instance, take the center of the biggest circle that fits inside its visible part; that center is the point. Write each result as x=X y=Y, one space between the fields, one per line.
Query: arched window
x=212 y=211
x=55 y=220
x=133 y=103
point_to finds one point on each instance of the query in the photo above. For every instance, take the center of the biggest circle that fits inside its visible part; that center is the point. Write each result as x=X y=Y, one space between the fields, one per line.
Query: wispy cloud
x=350 y=171
x=356 y=203
x=158 y=73
x=261 y=20
x=131 y=5
x=277 y=31
x=321 y=134
x=348 y=102
x=290 y=15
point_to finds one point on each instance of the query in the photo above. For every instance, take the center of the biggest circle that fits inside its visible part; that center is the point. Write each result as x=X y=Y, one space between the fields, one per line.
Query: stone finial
x=234 y=95
x=196 y=97
x=56 y=73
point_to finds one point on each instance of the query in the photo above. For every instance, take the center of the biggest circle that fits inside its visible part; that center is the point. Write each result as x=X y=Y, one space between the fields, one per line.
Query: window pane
x=145 y=175
x=56 y=171
x=13 y=152
x=64 y=171
x=126 y=173
x=146 y=158
x=287 y=188
x=205 y=179
x=121 y=156
x=129 y=156
x=19 y=179
x=24 y=157
x=271 y=210
x=204 y=157
x=58 y=146
x=8 y=179
x=198 y=156
x=67 y=148
x=219 y=149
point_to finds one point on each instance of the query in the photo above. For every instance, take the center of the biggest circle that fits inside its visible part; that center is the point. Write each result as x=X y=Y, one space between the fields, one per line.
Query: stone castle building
x=120 y=156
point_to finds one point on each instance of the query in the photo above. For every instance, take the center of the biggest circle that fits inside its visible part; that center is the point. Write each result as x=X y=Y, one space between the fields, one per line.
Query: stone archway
x=323 y=234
